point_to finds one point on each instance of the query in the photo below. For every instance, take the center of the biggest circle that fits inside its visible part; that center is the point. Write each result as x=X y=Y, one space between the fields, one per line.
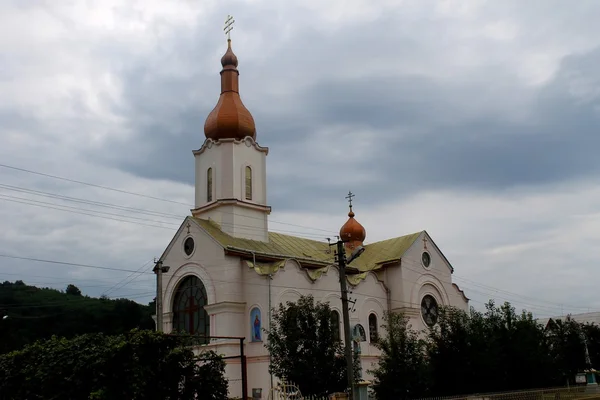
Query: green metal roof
x=312 y=252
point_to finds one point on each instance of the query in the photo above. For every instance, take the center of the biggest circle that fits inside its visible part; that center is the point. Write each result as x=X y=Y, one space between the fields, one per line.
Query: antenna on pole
x=229 y=26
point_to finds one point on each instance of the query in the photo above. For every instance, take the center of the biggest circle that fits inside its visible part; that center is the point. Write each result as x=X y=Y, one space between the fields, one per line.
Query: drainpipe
x=269 y=278
x=388 y=293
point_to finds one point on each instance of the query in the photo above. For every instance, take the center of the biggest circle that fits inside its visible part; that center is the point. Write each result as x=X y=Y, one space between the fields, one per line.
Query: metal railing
x=289 y=391
x=565 y=393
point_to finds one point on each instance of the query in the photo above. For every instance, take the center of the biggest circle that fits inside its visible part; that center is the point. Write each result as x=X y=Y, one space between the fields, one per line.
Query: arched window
x=373 y=329
x=209 y=185
x=248 y=180
x=189 y=314
x=335 y=325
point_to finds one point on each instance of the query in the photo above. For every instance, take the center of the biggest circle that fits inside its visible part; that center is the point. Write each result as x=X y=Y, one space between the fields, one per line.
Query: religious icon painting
x=358 y=332
x=255 y=325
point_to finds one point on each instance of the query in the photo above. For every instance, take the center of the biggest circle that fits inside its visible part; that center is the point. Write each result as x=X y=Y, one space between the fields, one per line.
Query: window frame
x=248 y=184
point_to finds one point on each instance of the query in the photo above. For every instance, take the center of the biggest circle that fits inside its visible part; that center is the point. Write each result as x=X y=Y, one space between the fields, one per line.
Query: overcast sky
x=475 y=120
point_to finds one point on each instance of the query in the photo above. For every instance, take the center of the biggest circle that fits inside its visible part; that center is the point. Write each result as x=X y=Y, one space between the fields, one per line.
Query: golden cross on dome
x=229 y=26
x=349 y=197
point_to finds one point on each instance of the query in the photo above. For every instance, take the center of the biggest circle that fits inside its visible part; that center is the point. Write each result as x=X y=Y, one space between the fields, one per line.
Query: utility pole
x=341 y=258
x=159 y=270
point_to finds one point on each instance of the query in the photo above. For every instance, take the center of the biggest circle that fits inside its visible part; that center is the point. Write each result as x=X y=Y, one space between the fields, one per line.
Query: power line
x=216 y=265
x=82 y=213
x=125 y=281
x=111 y=216
x=132 y=209
x=66 y=263
x=92 y=184
x=137 y=194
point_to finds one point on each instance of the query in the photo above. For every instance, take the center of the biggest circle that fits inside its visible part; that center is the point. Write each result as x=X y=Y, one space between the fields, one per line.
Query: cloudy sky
x=475 y=120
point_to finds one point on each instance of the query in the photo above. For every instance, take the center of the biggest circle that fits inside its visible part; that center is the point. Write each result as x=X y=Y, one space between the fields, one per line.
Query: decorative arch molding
x=461 y=292
x=179 y=274
x=310 y=275
x=248 y=141
x=286 y=292
x=437 y=290
x=255 y=305
x=333 y=299
x=379 y=308
x=378 y=281
x=294 y=262
x=337 y=309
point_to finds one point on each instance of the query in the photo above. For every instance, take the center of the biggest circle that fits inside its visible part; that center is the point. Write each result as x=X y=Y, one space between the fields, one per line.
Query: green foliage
x=592 y=333
x=477 y=352
x=498 y=350
x=35 y=313
x=568 y=347
x=403 y=371
x=73 y=290
x=303 y=348
x=136 y=365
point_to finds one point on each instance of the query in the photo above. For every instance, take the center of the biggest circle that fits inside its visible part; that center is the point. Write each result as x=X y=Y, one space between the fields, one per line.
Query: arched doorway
x=189 y=315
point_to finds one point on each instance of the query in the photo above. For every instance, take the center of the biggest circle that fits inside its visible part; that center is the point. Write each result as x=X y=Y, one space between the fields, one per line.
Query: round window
x=426 y=259
x=188 y=246
x=429 y=310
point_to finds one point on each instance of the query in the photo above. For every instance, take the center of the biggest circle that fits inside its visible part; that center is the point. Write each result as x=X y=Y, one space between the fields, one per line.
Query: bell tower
x=231 y=173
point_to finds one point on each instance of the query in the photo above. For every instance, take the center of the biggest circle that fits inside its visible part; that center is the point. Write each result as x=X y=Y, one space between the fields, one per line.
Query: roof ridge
x=395 y=238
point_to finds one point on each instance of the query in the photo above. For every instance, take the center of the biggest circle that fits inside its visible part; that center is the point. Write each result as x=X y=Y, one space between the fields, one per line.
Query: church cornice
x=462 y=292
x=225 y=307
x=269 y=257
x=229 y=202
x=248 y=141
x=408 y=311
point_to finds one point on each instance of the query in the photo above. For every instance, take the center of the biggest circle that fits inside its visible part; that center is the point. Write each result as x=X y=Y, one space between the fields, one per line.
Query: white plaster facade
x=227 y=162
x=233 y=289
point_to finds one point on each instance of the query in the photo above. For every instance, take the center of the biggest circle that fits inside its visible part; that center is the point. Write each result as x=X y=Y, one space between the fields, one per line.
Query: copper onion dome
x=230 y=119
x=352 y=232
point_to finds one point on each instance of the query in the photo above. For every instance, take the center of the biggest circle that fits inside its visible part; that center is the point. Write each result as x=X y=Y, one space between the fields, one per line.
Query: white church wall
x=228 y=160
x=236 y=293
x=410 y=282
x=220 y=274
x=214 y=156
x=245 y=154
x=239 y=221
x=292 y=282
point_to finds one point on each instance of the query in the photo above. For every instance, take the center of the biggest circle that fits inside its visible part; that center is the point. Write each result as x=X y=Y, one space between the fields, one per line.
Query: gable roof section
x=310 y=253
x=440 y=252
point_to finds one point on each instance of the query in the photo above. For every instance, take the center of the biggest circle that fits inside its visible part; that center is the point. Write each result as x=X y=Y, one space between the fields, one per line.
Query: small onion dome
x=229 y=59
x=352 y=232
x=230 y=119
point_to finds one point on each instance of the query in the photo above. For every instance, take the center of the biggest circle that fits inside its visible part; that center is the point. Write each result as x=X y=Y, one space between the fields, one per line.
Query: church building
x=227 y=270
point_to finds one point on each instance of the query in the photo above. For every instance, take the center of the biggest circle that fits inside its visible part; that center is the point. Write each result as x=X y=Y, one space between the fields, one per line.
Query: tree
x=592 y=334
x=73 y=290
x=403 y=370
x=303 y=348
x=567 y=348
x=38 y=313
x=137 y=365
x=453 y=351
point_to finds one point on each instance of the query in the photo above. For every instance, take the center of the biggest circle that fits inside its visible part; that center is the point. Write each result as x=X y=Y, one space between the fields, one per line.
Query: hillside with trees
x=34 y=313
